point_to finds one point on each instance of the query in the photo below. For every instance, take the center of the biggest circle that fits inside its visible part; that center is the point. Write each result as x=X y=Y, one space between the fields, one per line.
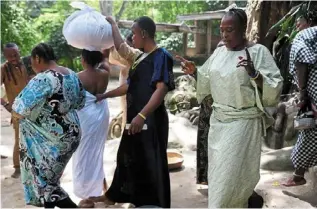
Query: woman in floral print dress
x=50 y=128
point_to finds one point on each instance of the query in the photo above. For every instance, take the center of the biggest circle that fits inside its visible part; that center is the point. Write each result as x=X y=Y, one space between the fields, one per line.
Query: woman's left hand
x=136 y=125
x=247 y=63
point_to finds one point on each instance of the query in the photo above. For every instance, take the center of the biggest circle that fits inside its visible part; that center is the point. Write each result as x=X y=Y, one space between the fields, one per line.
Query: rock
x=185 y=133
x=277 y=160
x=173 y=142
x=184 y=96
x=313 y=176
x=282 y=133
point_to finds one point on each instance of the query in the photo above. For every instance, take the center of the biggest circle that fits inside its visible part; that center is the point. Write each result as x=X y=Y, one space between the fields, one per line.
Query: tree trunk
x=262 y=15
x=122 y=8
x=106 y=7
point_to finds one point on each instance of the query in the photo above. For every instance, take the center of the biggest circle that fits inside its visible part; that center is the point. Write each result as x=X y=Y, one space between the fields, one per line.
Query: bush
x=174 y=42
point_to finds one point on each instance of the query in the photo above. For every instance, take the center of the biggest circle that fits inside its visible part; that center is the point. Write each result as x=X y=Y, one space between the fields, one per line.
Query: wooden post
x=201 y=47
x=185 y=40
x=231 y=2
x=208 y=36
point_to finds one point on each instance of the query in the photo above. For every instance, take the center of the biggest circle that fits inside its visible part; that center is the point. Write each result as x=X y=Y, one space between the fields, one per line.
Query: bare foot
x=16 y=173
x=105 y=185
x=203 y=183
x=86 y=203
x=291 y=182
x=103 y=199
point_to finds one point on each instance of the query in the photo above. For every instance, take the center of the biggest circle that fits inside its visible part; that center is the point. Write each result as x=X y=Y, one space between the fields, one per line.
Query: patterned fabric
x=202 y=140
x=304 y=154
x=304 y=50
x=50 y=133
x=238 y=122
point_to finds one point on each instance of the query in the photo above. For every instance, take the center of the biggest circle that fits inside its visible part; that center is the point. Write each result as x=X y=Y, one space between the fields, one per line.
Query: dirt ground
x=185 y=193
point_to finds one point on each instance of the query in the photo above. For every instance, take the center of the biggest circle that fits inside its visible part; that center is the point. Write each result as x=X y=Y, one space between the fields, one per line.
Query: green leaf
x=291 y=13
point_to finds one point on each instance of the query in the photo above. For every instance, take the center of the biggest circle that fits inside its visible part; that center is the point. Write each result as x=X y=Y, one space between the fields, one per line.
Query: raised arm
x=125 y=51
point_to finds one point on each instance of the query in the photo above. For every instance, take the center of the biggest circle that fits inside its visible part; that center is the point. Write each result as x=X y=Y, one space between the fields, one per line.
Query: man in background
x=14 y=76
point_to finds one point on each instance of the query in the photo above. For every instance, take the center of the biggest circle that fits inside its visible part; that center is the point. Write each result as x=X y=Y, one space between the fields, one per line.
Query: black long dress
x=141 y=176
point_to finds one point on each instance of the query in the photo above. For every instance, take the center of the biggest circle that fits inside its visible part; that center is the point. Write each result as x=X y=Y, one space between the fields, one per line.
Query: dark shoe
x=255 y=201
x=4 y=157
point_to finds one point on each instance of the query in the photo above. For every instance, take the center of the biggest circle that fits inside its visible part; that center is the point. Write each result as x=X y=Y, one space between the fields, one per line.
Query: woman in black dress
x=141 y=176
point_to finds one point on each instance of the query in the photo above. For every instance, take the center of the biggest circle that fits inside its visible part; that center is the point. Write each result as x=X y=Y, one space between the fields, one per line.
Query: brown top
x=14 y=80
x=125 y=56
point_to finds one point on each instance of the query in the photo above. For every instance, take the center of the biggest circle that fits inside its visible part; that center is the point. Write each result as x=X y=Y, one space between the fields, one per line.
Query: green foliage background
x=28 y=23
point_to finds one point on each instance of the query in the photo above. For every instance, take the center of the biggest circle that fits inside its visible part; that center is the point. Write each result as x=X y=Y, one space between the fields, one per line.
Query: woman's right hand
x=110 y=20
x=188 y=67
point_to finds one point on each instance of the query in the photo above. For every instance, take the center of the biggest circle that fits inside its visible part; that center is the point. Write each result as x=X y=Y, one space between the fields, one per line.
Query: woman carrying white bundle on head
x=88 y=172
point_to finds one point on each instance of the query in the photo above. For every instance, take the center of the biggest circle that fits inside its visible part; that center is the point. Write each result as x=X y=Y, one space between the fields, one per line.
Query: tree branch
x=122 y=8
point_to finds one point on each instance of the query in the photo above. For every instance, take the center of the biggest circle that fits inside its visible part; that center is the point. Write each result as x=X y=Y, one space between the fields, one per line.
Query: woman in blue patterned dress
x=50 y=128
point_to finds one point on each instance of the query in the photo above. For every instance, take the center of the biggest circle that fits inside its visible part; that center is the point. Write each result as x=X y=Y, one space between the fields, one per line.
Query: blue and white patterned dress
x=50 y=133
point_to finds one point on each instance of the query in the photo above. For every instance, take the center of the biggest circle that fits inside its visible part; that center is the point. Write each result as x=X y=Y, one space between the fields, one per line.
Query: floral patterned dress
x=50 y=133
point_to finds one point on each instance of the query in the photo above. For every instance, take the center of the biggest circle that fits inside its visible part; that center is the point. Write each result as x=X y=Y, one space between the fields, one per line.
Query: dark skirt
x=202 y=140
x=141 y=176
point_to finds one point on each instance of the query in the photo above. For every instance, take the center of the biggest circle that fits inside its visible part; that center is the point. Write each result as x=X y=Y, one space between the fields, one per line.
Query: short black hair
x=241 y=17
x=10 y=45
x=44 y=51
x=147 y=24
x=92 y=58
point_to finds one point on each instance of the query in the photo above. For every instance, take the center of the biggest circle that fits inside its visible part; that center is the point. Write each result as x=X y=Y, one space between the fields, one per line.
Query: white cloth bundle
x=87 y=29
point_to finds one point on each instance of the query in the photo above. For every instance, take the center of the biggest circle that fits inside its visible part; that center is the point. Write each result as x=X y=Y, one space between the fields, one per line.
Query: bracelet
x=257 y=74
x=142 y=116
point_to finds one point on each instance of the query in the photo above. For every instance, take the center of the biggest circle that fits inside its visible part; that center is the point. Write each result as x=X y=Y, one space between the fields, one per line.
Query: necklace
x=136 y=62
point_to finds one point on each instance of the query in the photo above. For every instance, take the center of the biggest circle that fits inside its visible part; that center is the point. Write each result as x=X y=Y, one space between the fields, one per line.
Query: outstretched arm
x=120 y=91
